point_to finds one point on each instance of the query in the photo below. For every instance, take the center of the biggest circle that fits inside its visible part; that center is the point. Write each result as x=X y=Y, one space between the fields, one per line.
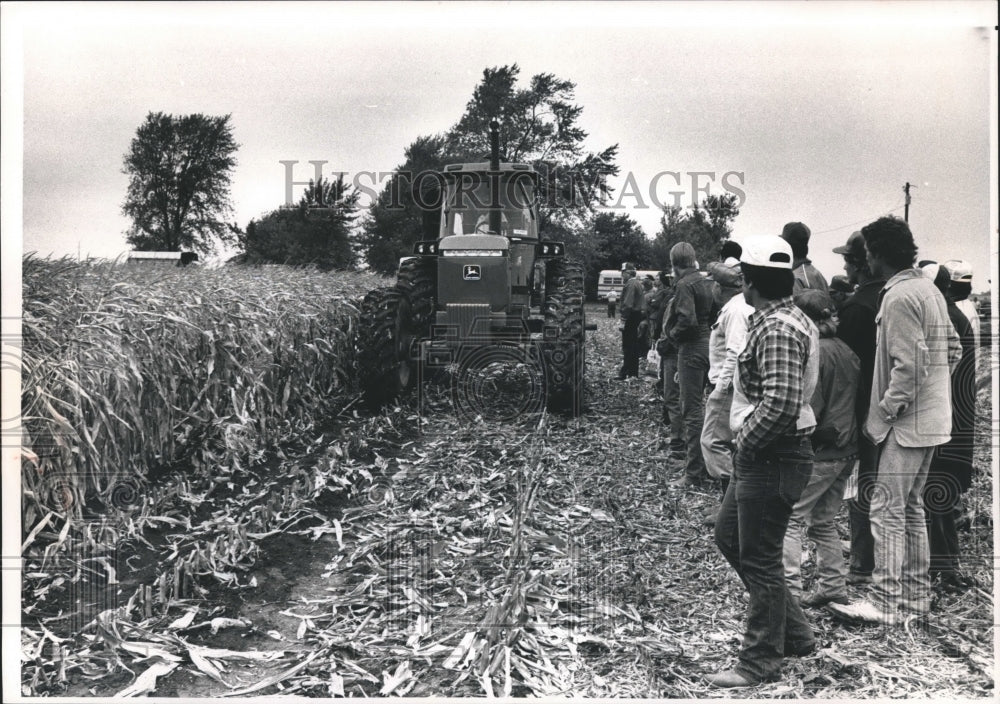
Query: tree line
x=180 y=170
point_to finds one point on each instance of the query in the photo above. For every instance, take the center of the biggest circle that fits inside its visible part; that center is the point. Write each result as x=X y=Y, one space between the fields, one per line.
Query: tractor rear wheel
x=564 y=349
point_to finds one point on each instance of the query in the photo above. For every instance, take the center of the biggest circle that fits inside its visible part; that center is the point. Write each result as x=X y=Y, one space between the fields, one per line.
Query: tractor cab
x=469 y=201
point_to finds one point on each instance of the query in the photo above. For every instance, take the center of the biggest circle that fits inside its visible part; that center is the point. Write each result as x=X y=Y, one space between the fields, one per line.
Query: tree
x=317 y=231
x=616 y=239
x=538 y=126
x=179 y=171
x=705 y=226
x=406 y=209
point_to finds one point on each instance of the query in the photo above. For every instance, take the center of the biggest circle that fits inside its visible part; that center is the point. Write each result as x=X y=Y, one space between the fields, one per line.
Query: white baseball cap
x=959 y=270
x=767 y=250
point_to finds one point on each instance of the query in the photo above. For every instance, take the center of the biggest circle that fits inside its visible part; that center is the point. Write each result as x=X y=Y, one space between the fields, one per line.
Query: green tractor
x=487 y=289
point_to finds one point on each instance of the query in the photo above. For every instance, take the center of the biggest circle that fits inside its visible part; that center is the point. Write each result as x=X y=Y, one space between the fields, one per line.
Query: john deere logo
x=471 y=272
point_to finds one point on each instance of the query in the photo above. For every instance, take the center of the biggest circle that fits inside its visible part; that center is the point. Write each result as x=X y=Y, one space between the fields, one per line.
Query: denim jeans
x=692 y=370
x=862 y=545
x=672 y=401
x=817 y=508
x=902 y=556
x=716 y=435
x=750 y=532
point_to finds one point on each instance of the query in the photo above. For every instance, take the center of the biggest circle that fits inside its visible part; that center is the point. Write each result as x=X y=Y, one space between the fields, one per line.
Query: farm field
x=242 y=526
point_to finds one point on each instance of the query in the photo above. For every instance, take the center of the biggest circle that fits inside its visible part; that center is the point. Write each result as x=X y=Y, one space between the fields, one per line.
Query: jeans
x=902 y=556
x=817 y=508
x=630 y=345
x=672 y=401
x=750 y=532
x=692 y=368
x=716 y=435
x=862 y=545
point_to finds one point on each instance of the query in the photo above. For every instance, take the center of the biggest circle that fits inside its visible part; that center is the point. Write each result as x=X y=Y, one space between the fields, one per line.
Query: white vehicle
x=611 y=280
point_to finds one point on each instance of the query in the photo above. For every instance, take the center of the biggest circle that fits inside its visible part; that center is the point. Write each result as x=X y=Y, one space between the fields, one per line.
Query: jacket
x=834 y=403
x=726 y=341
x=954 y=458
x=633 y=299
x=694 y=307
x=917 y=349
x=857 y=329
x=807 y=276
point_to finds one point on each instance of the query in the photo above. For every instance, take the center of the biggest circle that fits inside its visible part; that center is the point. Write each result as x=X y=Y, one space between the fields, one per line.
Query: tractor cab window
x=468 y=209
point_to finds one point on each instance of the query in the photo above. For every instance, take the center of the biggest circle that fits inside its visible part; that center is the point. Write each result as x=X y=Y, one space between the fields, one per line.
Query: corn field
x=126 y=371
x=206 y=515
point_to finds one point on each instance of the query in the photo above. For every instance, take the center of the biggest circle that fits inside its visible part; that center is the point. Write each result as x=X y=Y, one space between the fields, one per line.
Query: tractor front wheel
x=385 y=354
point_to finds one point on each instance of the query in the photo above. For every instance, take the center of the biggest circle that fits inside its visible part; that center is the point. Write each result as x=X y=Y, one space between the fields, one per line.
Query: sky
x=816 y=112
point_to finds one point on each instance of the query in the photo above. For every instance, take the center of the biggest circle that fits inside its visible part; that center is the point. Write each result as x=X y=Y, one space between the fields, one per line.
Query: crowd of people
x=793 y=395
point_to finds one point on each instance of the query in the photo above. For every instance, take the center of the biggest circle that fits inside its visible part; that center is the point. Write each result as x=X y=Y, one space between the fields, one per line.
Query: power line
x=858 y=222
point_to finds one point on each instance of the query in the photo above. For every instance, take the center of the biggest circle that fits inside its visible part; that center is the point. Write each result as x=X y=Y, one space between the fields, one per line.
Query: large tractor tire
x=392 y=321
x=384 y=368
x=417 y=278
x=564 y=348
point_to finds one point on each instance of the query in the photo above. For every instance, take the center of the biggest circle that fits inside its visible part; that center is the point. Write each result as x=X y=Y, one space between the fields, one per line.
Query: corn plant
x=126 y=369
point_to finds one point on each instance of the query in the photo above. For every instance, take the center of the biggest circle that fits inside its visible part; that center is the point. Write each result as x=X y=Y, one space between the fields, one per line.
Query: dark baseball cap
x=795 y=232
x=855 y=247
x=815 y=303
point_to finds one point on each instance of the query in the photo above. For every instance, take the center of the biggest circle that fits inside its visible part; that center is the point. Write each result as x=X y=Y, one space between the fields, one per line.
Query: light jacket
x=916 y=350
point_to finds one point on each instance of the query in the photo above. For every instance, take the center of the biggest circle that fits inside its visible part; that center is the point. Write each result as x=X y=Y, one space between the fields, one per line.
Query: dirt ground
x=429 y=552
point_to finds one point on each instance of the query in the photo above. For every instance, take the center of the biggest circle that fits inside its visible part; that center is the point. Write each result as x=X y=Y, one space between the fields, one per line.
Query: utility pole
x=906 y=203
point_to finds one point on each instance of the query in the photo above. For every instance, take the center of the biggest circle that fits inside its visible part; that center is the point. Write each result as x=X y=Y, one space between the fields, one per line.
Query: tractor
x=487 y=288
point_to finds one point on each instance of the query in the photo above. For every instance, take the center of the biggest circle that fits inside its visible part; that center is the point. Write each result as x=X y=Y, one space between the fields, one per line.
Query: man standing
x=612 y=303
x=633 y=300
x=857 y=329
x=951 y=467
x=796 y=234
x=835 y=444
x=725 y=342
x=777 y=374
x=908 y=415
x=688 y=327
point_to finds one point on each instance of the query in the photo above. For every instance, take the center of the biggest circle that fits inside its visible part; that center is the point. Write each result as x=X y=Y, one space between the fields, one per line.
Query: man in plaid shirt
x=772 y=417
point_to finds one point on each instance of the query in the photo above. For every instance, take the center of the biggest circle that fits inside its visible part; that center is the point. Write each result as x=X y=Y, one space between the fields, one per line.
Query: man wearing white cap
x=909 y=414
x=961 y=287
x=777 y=372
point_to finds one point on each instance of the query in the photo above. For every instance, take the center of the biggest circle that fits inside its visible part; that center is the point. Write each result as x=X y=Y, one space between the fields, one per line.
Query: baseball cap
x=725 y=274
x=768 y=251
x=855 y=247
x=841 y=283
x=815 y=303
x=795 y=232
x=938 y=273
x=929 y=267
x=960 y=270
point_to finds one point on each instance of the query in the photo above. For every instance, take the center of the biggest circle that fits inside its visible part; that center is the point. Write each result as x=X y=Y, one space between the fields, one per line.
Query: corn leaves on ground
x=416 y=552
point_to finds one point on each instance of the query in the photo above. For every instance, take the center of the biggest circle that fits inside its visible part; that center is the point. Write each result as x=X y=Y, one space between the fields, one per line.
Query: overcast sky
x=818 y=112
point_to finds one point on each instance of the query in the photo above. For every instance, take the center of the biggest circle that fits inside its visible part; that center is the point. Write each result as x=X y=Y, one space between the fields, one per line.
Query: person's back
x=835 y=401
x=807 y=277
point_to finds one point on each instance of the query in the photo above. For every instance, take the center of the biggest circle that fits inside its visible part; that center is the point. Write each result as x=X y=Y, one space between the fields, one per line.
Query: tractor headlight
x=472 y=253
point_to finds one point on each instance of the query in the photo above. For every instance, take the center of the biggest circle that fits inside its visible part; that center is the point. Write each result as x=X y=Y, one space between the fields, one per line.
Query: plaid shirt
x=772 y=368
